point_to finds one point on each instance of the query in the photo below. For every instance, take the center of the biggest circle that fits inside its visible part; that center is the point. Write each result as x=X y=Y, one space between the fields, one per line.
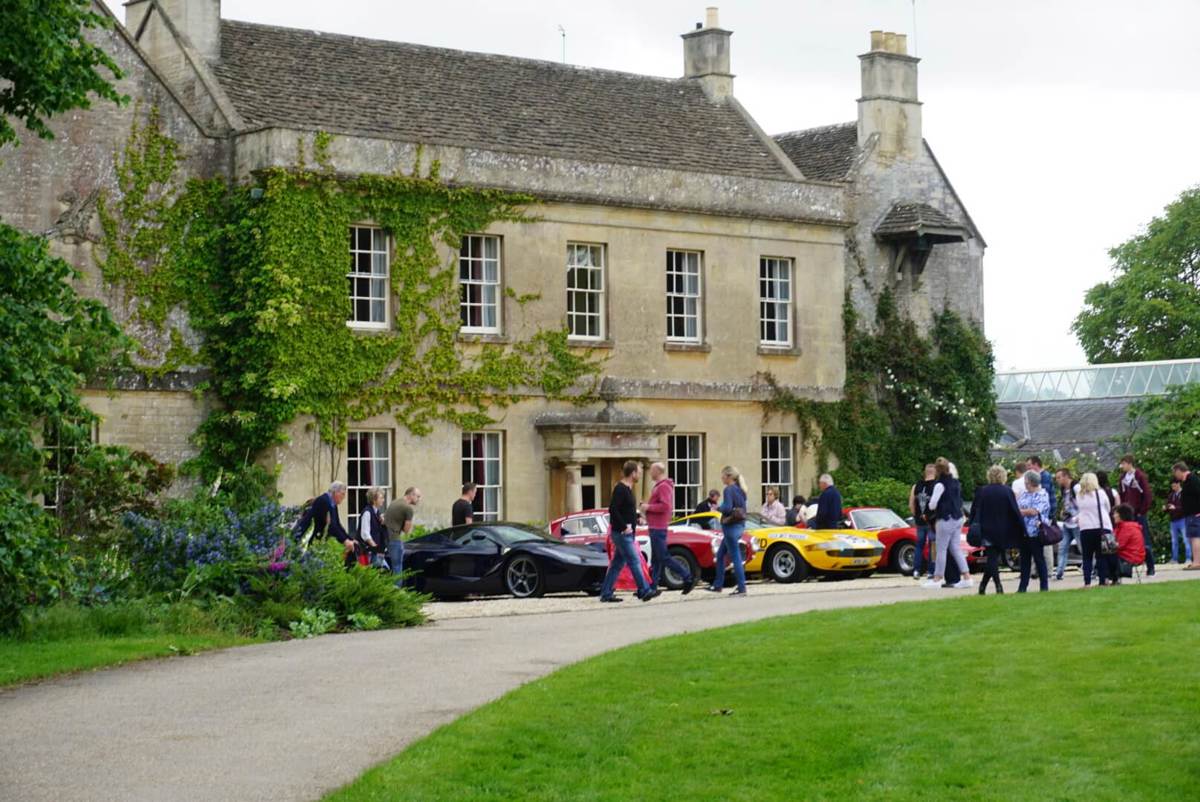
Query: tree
x=1151 y=309
x=47 y=65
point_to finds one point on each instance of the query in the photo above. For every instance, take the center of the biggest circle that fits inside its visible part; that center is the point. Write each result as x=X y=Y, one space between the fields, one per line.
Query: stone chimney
x=197 y=21
x=706 y=57
x=889 y=105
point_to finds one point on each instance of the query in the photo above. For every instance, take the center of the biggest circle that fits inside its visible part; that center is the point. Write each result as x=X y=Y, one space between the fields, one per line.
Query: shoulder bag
x=1048 y=532
x=736 y=514
x=1108 y=540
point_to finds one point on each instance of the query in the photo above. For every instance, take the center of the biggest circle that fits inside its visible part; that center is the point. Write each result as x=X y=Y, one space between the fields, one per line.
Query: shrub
x=882 y=492
x=313 y=622
x=365 y=590
x=364 y=621
x=32 y=560
x=100 y=487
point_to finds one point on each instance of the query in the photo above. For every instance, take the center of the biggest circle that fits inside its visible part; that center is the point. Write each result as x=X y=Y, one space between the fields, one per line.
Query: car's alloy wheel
x=786 y=565
x=904 y=558
x=523 y=577
x=674 y=581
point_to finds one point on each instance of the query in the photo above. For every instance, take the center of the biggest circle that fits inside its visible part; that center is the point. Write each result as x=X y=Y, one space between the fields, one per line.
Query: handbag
x=736 y=515
x=1048 y=532
x=975 y=535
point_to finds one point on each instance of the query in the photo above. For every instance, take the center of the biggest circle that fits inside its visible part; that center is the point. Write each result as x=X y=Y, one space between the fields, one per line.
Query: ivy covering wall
x=910 y=397
x=260 y=270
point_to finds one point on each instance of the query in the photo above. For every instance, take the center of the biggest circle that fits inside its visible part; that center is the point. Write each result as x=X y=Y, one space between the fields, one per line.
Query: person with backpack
x=946 y=504
x=1070 y=519
x=733 y=523
x=918 y=507
x=1095 y=526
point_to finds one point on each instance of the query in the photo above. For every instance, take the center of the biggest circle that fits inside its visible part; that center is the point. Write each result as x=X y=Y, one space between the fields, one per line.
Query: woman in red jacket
x=1131 y=547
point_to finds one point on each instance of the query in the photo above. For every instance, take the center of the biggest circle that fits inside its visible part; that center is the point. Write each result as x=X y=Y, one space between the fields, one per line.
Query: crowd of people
x=1109 y=525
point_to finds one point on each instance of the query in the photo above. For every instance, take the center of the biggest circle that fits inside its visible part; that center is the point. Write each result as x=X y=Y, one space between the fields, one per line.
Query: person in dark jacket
x=708 y=504
x=322 y=515
x=623 y=516
x=1189 y=499
x=829 y=505
x=1181 y=547
x=1135 y=491
x=995 y=510
x=795 y=513
x=946 y=504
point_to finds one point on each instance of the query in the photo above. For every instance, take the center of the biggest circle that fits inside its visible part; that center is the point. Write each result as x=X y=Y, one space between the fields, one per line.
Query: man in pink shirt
x=658 y=511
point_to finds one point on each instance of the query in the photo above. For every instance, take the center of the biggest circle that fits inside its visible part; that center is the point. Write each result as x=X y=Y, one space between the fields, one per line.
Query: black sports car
x=495 y=558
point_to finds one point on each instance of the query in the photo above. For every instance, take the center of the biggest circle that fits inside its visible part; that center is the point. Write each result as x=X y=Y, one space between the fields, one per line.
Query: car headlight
x=830 y=545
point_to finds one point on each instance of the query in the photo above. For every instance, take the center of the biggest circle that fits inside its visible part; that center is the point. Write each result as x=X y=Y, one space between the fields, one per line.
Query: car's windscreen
x=876 y=519
x=754 y=522
x=507 y=534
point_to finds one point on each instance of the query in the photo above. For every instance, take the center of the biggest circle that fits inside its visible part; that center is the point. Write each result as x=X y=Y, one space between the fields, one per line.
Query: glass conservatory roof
x=1096 y=381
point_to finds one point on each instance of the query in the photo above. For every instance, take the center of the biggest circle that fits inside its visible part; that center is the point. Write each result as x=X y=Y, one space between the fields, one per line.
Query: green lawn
x=65 y=638
x=21 y=661
x=1088 y=695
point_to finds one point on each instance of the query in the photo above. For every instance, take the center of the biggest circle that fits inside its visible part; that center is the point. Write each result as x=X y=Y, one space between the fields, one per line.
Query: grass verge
x=1085 y=695
x=65 y=638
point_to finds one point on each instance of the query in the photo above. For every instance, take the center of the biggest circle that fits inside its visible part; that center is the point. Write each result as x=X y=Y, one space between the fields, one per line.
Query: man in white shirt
x=1018 y=484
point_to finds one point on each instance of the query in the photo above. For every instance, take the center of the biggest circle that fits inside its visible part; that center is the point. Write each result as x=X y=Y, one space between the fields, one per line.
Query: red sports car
x=899 y=539
x=692 y=544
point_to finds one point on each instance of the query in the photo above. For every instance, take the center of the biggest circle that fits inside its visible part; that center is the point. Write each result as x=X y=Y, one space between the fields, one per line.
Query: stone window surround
x=695 y=456
x=781 y=461
x=481 y=495
x=355 y=492
x=372 y=325
x=604 y=340
x=486 y=333
x=788 y=282
x=699 y=343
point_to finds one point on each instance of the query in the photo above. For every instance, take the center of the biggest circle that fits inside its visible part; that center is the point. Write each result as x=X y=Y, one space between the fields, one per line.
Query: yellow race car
x=787 y=554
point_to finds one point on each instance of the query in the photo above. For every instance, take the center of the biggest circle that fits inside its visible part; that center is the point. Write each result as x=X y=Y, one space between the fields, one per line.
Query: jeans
x=1032 y=549
x=948 y=535
x=923 y=536
x=1064 y=548
x=624 y=553
x=1145 y=522
x=992 y=569
x=731 y=548
x=395 y=553
x=661 y=558
x=1178 y=533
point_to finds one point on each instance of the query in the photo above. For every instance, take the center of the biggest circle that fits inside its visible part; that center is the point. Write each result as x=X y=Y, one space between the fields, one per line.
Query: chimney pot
x=710 y=17
x=902 y=44
x=877 y=40
x=889 y=42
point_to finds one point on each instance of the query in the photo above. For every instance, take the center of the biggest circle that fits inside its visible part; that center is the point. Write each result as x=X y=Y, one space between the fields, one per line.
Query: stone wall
x=158 y=422
x=953 y=276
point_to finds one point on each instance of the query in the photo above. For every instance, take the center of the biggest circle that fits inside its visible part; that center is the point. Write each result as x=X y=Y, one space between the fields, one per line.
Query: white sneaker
x=929 y=583
x=963 y=583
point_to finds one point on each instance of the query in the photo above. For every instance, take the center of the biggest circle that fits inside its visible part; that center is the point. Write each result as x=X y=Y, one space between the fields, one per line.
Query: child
x=1131 y=548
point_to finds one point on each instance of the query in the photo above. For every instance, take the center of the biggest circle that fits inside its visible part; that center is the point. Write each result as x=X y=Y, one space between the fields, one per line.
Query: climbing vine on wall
x=908 y=399
x=261 y=271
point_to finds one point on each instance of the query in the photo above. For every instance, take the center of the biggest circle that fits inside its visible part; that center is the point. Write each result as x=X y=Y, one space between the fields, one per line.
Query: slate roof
x=1093 y=425
x=824 y=154
x=308 y=80
x=906 y=217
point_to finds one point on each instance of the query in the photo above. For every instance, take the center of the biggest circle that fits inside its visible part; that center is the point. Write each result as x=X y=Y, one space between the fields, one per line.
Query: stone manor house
x=674 y=236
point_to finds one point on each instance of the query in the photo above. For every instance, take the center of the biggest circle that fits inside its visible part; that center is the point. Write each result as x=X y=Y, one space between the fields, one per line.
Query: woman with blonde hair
x=372 y=533
x=1095 y=518
x=946 y=504
x=733 y=523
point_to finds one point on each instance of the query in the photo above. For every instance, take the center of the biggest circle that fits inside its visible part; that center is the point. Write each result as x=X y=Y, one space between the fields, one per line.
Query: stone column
x=574 y=487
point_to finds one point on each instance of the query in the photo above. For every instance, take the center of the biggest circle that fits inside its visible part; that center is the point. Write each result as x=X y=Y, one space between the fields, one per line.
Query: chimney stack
x=889 y=105
x=706 y=56
x=197 y=20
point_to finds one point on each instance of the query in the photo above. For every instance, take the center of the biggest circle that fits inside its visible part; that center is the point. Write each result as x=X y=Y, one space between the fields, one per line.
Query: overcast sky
x=1065 y=125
